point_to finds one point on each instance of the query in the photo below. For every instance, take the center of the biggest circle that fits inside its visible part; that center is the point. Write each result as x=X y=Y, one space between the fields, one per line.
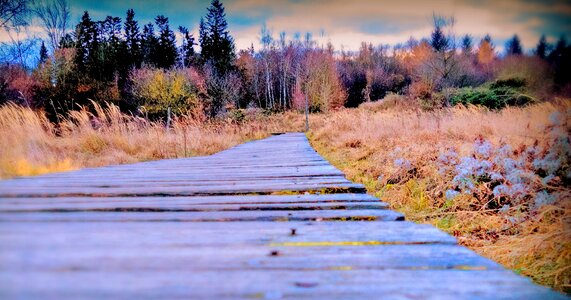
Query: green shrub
x=496 y=95
x=156 y=90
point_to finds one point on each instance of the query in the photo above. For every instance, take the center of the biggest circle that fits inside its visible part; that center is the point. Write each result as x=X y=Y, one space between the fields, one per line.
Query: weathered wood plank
x=177 y=257
x=149 y=234
x=201 y=200
x=206 y=216
x=181 y=207
x=270 y=284
x=178 y=190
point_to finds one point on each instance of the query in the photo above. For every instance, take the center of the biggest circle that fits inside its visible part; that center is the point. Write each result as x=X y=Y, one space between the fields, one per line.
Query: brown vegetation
x=31 y=145
x=396 y=150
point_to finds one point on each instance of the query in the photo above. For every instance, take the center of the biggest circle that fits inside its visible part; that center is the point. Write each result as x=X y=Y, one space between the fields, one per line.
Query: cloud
x=346 y=23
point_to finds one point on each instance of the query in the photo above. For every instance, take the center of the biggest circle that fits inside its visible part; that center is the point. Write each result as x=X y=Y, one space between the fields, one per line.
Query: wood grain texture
x=269 y=219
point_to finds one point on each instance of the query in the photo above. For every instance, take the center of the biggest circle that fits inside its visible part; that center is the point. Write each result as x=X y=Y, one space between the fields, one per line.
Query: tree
x=111 y=50
x=13 y=12
x=444 y=63
x=148 y=44
x=513 y=46
x=166 y=46
x=85 y=33
x=66 y=41
x=20 y=45
x=486 y=50
x=467 y=44
x=541 y=48
x=217 y=46
x=133 y=41
x=187 y=49
x=54 y=17
x=43 y=53
x=439 y=41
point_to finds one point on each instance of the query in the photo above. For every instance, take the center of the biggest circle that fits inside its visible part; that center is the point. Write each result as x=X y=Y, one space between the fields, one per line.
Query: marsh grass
x=31 y=145
x=396 y=151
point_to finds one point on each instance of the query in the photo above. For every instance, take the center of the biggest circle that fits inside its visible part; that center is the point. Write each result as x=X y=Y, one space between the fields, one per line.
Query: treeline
x=146 y=71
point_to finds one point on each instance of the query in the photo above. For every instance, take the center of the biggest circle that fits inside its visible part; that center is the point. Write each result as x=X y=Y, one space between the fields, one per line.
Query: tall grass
x=443 y=167
x=31 y=145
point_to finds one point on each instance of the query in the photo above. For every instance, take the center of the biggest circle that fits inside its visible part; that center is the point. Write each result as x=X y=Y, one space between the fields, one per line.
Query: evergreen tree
x=133 y=41
x=203 y=37
x=558 y=51
x=43 y=53
x=187 y=50
x=166 y=47
x=66 y=41
x=439 y=41
x=84 y=38
x=110 y=56
x=215 y=41
x=467 y=44
x=541 y=49
x=148 y=44
x=560 y=58
x=513 y=46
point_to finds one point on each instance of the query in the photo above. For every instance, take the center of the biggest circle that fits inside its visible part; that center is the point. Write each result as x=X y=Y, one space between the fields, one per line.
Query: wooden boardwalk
x=269 y=219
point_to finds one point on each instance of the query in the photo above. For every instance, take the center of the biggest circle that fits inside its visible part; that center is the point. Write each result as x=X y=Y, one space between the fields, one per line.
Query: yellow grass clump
x=393 y=148
x=31 y=145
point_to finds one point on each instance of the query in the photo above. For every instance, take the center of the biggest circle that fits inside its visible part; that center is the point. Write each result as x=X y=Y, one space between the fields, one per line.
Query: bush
x=534 y=72
x=156 y=90
x=390 y=102
x=499 y=94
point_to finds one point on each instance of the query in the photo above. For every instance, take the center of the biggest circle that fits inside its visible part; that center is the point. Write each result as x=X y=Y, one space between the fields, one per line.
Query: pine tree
x=467 y=44
x=66 y=41
x=111 y=48
x=217 y=46
x=148 y=44
x=166 y=46
x=133 y=41
x=83 y=41
x=187 y=50
x=43 y=53
x=541 y=49
x=439 y=41
x=513 y=46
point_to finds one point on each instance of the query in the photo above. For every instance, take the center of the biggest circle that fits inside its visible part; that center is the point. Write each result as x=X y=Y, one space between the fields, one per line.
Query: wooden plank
x=179 y=190
x=182 y=207
x=176 y=258
x=200 y=200
x=270 y=284
x=206 y=216
x=193 y=182
x=27 y=235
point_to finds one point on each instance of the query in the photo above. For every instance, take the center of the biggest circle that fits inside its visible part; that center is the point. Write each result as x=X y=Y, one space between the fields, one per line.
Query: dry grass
x=366 y=142
x=31 y=145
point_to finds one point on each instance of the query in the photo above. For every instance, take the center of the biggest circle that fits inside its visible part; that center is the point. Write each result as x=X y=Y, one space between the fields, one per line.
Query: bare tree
x=54 y=17
x=21 y=47
x=14 y=12
x=13 y=22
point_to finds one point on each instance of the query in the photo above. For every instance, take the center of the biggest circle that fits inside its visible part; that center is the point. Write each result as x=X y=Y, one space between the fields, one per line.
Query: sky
x=346 y=23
